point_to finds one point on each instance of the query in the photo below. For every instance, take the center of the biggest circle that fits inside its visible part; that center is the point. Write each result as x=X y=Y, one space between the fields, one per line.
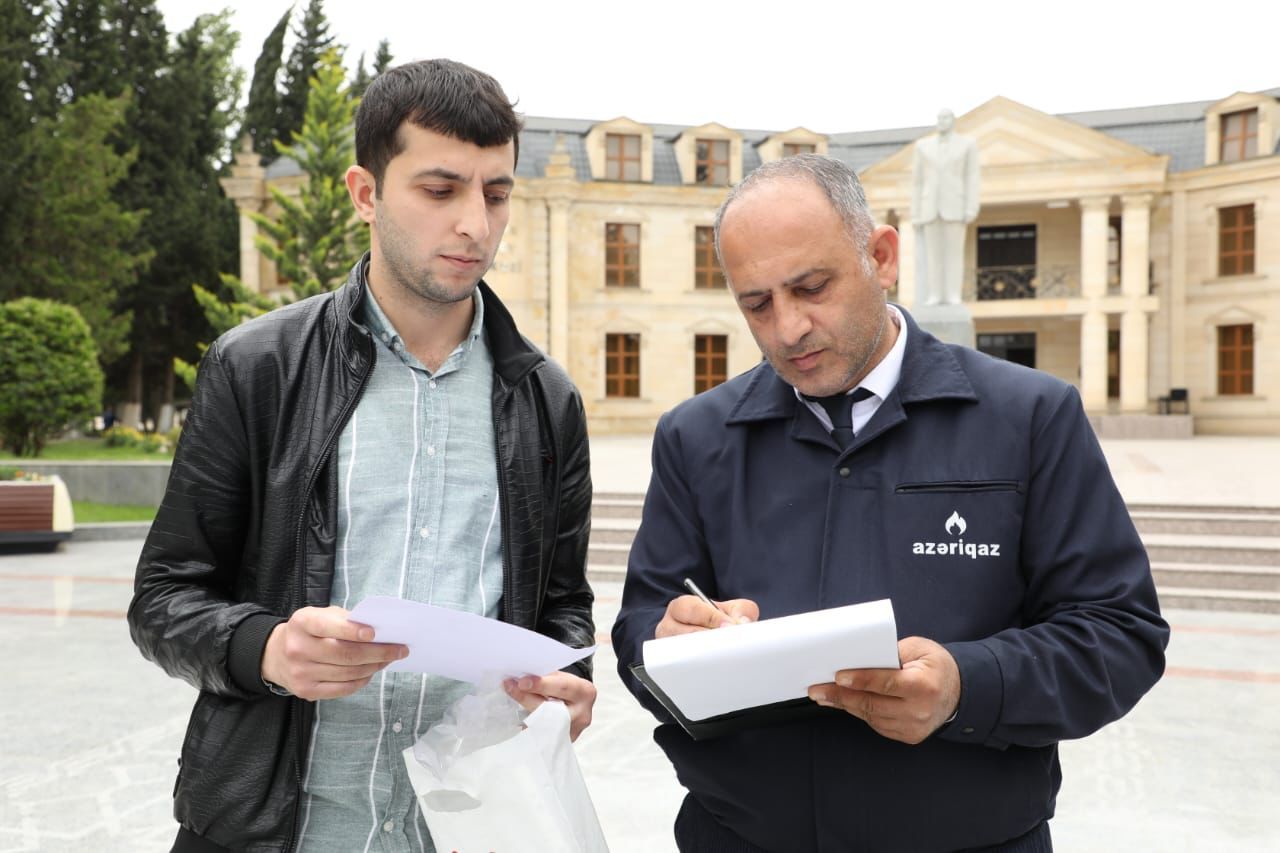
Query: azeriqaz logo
x=955 y=525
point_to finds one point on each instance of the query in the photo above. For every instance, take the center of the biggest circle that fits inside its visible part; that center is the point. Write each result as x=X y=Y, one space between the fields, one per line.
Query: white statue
x=944 y=199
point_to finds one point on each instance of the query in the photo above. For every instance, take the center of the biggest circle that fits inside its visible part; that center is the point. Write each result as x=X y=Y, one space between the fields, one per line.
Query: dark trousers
x=698 y=832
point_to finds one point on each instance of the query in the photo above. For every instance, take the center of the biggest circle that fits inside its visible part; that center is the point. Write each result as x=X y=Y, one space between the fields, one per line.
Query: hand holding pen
x=697 y=612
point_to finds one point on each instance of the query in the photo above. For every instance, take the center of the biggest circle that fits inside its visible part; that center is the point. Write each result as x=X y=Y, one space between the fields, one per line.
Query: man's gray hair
x=837 y=181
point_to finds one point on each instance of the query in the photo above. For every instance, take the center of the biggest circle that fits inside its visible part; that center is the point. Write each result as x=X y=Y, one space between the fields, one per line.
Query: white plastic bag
x=487 y=785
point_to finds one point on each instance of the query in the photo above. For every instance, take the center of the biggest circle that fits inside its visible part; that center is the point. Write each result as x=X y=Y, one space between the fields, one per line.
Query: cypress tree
x=262 y=114
x=313 y=40
x=317 y=237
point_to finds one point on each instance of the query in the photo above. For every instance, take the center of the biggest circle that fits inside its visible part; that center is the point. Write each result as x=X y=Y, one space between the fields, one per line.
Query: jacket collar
x=513 y=355
x=930 y=371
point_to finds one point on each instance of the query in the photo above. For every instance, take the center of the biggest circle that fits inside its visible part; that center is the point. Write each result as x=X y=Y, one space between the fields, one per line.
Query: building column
x=906 y=262
x=1176 y=301
x=250 y=268
x=1135 y=284
x=1093 y=287
x=1093 y=246
x=1135 y=246
x=560 y=177
x=1134 y=358
x=248 y=189
x=1093 y=361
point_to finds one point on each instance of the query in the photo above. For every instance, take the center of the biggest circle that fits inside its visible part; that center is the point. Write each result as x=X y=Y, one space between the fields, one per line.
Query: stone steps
x=1215 y=523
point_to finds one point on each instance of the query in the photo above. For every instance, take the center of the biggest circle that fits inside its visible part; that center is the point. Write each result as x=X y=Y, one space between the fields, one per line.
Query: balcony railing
x=1033 y=281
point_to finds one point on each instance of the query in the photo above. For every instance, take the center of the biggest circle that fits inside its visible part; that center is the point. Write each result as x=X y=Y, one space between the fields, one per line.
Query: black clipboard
x=734 y=721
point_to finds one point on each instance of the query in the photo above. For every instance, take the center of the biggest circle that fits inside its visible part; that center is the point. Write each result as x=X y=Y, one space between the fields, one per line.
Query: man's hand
x=907 y=704
x=578 y=694
x=320 y=654
x=689 y=613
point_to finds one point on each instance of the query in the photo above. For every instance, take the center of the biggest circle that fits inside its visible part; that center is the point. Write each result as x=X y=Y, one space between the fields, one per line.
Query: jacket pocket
x=954 y=546
x=962 y=486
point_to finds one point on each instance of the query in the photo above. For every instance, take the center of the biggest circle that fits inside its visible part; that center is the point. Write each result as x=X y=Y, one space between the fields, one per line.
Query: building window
x=1006 y=262
x=1235 y=359
x=1114 y=252
x=1113 y=364
x=622 y=365
x=706 y=269
x=1235 y=240
x=1239 y=136
x=621 y=255
x=622 y=157
x=710 y=361
x=713 y=162
x=791 y=149
x=1018 y=347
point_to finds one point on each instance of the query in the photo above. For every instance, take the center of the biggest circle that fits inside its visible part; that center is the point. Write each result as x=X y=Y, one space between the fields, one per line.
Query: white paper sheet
x=460 y=645
x=708 y=673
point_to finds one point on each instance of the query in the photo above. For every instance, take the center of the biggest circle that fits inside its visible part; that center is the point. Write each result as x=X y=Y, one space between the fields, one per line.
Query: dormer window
x=792 y=149
x=712 y=166
x=622 y=157
x=1239 y=135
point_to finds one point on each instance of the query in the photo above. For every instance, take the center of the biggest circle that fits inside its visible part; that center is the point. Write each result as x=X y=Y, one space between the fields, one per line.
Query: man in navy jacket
x=864 y=459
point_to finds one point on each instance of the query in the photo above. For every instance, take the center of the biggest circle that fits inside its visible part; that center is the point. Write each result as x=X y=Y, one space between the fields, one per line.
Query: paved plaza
x=90 y=732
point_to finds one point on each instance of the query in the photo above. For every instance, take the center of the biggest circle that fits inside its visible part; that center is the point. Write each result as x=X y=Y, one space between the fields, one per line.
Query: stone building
x=1134 y=253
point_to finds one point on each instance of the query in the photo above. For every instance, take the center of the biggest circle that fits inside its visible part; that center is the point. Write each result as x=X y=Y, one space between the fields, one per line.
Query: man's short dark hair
x=440 y=95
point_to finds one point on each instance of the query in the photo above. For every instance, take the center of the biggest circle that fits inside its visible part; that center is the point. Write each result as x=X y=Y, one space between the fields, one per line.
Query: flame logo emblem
x=956 y=524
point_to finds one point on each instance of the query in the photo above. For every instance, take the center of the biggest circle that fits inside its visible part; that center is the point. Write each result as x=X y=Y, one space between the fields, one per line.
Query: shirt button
x=844 y=472
x=431 y=451
x=388 y=826
x=967 y=730
x=385 y=336
x=397 y=727
x=431 y=384
x=424 y=533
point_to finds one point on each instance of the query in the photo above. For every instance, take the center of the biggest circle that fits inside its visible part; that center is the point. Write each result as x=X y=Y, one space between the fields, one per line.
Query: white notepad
x=707 y=673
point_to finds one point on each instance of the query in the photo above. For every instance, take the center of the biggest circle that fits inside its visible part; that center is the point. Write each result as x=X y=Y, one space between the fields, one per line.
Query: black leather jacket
x=246 y=535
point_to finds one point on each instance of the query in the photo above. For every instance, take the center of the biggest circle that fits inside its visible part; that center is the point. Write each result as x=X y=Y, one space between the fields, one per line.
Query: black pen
x=693 y=588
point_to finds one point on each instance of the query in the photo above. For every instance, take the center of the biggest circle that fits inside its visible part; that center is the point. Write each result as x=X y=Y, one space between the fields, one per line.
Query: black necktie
x=840 y=409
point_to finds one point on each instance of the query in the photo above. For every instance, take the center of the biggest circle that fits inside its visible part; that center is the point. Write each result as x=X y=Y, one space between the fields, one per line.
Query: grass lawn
x=89 y=513
x=87 y=449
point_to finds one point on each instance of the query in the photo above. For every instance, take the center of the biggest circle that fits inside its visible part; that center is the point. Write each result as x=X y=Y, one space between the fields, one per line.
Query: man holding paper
x=397 y=437
x=865 y=460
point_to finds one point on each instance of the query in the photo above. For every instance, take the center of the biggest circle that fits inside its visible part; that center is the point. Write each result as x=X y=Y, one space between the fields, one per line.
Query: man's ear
x=883 y=248
x=362 y=187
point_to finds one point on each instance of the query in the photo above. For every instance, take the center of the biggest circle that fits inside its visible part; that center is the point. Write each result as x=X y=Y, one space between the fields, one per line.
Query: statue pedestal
x=951 y=324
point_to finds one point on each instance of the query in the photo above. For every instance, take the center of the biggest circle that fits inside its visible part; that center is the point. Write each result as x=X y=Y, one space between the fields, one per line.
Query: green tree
x=23 y=31
x=313 y=41
x=78 y=244
x=49 y=374
x=241 y=304
x=262 y=114
x=194 y=228
x=382 y=59
x=363 y=77
x=317 y=237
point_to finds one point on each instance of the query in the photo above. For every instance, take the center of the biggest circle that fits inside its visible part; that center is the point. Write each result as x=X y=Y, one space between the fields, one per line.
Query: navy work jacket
x=978 y=500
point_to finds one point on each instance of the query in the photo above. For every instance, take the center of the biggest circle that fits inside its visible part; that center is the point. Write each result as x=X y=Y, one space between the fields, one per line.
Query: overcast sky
x=828 y=66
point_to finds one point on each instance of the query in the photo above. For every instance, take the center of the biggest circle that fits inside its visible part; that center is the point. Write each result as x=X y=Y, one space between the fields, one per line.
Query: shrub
x=49 y=374
x=123 y=436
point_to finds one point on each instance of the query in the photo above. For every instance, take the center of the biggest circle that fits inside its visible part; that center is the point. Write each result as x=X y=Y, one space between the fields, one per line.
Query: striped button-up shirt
x=418 y=518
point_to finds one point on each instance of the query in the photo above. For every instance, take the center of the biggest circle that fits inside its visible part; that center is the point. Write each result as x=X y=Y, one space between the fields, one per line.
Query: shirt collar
x=382 y=328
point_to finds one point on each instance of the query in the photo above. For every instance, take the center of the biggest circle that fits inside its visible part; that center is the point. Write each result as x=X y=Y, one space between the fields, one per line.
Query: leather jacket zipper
x=329 y=442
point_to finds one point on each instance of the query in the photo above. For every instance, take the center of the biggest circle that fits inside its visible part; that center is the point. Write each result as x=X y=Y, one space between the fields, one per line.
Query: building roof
x=1173 y=129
